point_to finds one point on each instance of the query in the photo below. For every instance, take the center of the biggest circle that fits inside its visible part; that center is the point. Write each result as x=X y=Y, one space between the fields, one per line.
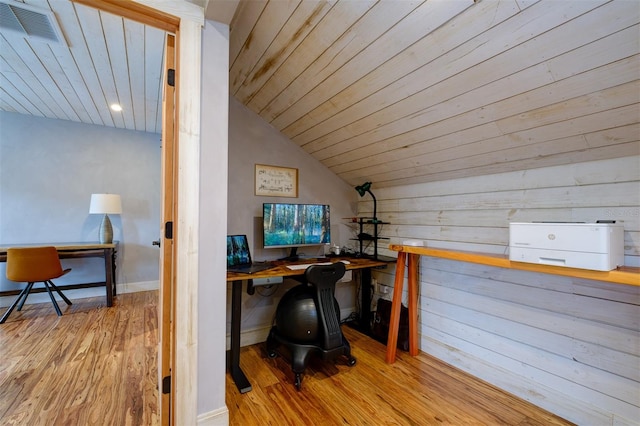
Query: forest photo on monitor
x=287 y=225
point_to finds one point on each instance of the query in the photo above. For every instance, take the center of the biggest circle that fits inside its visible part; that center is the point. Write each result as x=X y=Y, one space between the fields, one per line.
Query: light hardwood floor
x=413 y=391
x=97 y=366
x=92 y=366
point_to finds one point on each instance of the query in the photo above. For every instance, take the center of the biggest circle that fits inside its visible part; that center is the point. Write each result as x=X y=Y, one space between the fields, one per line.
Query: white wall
x=571 y=346
x=48 y=171
x=253 y=141
x=213 y=225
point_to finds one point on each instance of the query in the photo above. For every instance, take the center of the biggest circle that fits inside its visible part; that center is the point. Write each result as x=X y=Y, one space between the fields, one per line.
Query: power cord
x=353 y=316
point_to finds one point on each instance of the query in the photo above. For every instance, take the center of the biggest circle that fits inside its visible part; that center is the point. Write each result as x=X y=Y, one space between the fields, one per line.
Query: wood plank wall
x=568 y=345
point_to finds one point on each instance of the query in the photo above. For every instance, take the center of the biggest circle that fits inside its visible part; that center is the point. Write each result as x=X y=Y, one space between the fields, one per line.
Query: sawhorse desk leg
x=411 y=260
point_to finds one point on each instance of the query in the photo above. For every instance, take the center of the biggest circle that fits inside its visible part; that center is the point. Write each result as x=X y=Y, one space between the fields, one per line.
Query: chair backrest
x=323 y=278
x=33 y=264
x=325 y=274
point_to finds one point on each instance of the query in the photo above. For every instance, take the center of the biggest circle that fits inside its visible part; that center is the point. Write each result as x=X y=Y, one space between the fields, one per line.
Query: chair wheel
x=351 y=362
x=298 y=381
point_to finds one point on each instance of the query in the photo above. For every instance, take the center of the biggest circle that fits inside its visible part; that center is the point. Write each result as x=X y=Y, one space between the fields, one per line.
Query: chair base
x=300 y=353
x=22 y=298
x=307 y=320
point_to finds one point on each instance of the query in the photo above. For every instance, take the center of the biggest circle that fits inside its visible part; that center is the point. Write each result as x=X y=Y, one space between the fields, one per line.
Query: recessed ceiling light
x=116 y=107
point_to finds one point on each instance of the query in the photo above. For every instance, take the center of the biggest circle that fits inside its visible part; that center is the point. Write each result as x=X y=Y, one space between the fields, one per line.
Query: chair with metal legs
x=32 y=265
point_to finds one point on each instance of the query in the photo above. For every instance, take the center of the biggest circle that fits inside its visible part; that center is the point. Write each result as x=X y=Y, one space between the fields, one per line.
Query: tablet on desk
x=239 y=256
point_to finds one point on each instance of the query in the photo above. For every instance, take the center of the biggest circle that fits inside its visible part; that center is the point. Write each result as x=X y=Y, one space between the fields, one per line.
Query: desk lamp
x=105 y=204
x=362 y=189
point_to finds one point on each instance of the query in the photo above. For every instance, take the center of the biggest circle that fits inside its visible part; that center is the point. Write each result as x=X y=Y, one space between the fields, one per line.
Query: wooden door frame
x=166 y=333
x=186 y=19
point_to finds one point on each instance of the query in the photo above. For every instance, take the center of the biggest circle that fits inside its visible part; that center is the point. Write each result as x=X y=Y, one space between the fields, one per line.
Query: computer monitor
x=287 y=225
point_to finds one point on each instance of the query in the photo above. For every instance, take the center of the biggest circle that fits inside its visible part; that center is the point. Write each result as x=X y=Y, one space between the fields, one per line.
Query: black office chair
x=308 y=320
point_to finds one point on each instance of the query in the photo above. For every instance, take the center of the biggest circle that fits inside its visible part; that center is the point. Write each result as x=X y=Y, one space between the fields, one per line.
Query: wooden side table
x=410 y=255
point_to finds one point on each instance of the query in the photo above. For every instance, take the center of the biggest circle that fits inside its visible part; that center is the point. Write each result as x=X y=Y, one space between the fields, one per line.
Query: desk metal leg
x=237 y=374
x=365 y=301
x=114 y=255
x=108 y=271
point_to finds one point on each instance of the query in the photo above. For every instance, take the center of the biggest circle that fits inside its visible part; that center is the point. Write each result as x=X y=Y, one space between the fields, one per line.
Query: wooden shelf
x=623 y=275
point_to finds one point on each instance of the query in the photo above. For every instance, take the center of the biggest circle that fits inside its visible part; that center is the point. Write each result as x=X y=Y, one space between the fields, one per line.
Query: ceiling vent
x=33 y=23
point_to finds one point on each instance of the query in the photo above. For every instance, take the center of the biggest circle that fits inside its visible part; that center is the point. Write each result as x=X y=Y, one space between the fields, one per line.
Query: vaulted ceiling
x=394 y=92
x=399 y=92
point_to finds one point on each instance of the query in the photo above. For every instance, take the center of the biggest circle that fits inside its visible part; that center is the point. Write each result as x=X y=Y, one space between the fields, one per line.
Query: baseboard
x=219 y=417
x=344 y=313
x=81 y=293
x=251 y=337
x=137 y=287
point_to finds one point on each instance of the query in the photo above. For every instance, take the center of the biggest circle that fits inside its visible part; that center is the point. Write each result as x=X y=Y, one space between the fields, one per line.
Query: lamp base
x=106 y=231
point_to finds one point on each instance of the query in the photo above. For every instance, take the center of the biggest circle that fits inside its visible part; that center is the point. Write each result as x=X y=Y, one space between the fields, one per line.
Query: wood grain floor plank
x=92 y=366
x=134 y=370
x=413 y=391
x=98 y=365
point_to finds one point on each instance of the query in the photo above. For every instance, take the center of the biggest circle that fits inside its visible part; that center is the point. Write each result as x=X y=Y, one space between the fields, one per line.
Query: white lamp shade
x=105 y=204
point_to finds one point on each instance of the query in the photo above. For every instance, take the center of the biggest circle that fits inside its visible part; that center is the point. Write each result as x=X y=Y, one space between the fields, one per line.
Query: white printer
x=598 y=246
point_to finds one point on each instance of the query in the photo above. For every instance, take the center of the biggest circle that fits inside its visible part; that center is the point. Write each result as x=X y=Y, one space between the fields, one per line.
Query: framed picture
x=275 y=181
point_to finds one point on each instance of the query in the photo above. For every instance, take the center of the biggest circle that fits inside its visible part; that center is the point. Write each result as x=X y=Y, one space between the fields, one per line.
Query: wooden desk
x=410 y=255
x=75 y=251
x=280 y=269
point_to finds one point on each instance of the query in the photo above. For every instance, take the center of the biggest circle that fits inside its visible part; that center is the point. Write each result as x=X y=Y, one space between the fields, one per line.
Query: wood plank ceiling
x=391 y=91
x=401 y=92
x=100 y=60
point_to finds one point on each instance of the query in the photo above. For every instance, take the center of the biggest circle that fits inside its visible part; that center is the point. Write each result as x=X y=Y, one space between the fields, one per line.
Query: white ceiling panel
x=103 y=60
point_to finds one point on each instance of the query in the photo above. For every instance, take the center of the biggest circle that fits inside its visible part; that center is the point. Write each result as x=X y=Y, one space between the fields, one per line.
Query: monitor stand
x=293 y=255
